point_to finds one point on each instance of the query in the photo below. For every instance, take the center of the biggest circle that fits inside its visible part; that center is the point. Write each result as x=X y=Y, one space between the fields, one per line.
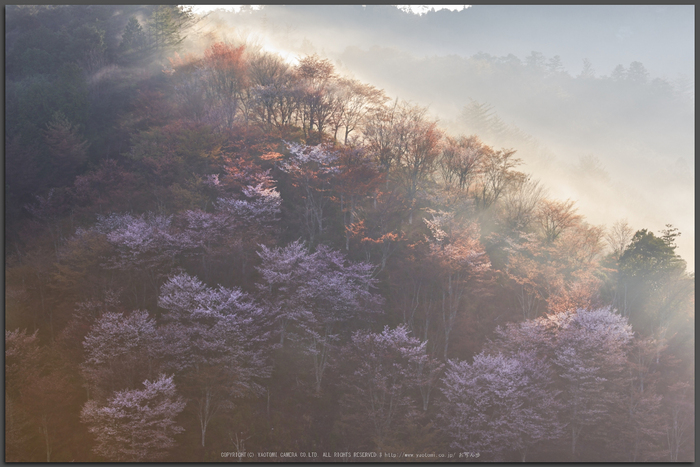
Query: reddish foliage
x=108 y=188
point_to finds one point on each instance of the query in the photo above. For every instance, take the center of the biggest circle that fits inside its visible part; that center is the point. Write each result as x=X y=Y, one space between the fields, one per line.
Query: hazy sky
x=660 y=36
x=644 y=151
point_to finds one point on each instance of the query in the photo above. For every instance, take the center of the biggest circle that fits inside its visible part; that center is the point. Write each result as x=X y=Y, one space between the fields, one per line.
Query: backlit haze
x=619 y=151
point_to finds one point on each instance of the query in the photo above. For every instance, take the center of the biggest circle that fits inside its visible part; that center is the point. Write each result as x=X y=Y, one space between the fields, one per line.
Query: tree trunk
x=45 y=432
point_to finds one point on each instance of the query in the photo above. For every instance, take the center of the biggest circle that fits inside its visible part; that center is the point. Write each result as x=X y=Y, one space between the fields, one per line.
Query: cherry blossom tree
x=499 y=404
x=120 y=351
x=149 y=246
x=312 y=169
x=213 y=341
x=236 y=220
x=587 y=351
x=146 y=248
x=259 y=209
x=378 y=401
x=202 y=234
x=310 y=294
x=136 y=425
x=589 y=357
x=141 y=241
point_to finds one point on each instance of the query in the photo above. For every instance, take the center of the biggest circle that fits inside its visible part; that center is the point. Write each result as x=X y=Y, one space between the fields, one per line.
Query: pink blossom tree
x=141 y=241
x=259 y=208
x=237 y=222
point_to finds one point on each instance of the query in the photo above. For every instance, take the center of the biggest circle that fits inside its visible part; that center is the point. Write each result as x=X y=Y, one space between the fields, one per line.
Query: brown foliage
x=556 y=216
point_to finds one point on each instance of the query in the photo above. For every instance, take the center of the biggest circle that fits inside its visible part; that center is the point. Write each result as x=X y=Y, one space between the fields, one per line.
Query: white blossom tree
x=310 y=294
x=213 y=341
x=238 y=221
x=145 y=248
x=378 y=387
x=499 y=404
x=312 y=169
x=142 y=242
x=120 y=351
x=136 y=425
x=260 y=208
x=587 y=350
x=590 y=355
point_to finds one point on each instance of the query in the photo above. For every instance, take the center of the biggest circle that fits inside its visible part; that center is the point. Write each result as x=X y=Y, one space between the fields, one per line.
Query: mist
x=621 y=146
x=349 y=233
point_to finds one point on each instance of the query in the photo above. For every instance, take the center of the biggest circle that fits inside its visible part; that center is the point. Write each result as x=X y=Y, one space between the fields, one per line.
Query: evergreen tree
x=168 y=25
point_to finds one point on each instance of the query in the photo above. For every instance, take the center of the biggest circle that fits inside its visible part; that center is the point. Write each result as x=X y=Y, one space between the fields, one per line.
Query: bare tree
x=316 y=77
x=520 y=203
x=496 y=175
x=355 y=101
x=618 y=237
x=460 y=161
x=556 y=216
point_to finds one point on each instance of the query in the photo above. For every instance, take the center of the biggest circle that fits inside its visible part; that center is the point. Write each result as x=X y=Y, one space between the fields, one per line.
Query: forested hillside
x=212 y=250
x=597 y=99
